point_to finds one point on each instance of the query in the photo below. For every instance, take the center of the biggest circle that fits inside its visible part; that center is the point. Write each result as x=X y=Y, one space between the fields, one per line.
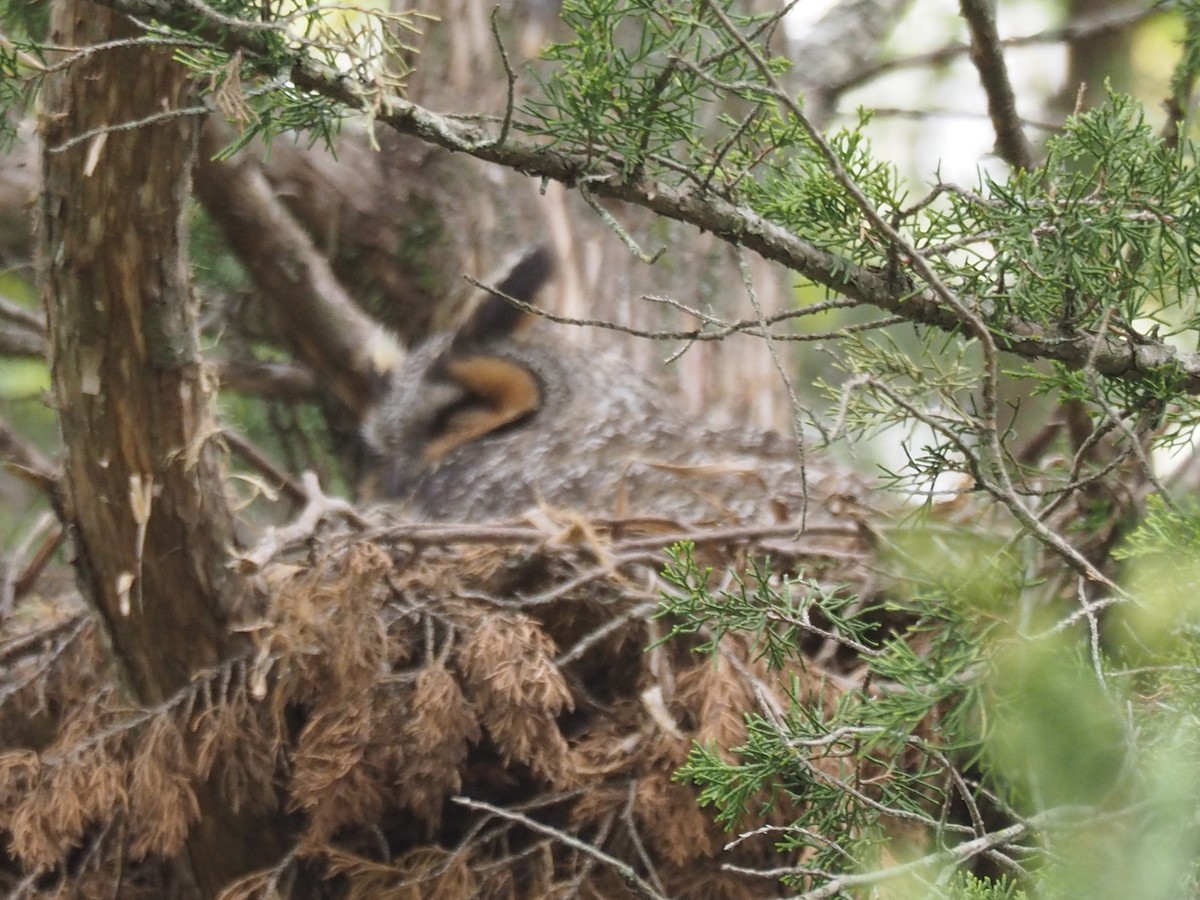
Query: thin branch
x=132 y=124
x=610 y=220
x=71 y=630
x=318 y=508
x=26 y=461
x=631 y=829
x=1183 y=79
x=509 y=74
x=645 y=611
x=955 y=856
x=1146 y=422
x=1003 y=490
x=986 y=54
x=242 y=446
x=19 y=314
x=922 y=115
x=22 y=343
x=1069 y=33
x=638 y=885
x=15 y=586
x=75 y=54
x=756 y=327
x=17 y=645
x=798 y=410
x=274 y=380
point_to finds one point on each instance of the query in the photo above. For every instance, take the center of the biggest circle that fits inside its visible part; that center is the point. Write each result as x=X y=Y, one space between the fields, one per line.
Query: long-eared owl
x=501 y=415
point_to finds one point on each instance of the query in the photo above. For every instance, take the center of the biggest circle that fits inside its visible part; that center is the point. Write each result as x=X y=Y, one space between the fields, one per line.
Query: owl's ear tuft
x=497 y=392
x=495 y=317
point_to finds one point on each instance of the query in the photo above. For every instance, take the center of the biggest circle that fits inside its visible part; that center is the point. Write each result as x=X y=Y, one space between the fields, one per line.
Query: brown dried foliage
x=388 y=677
x=518 y=692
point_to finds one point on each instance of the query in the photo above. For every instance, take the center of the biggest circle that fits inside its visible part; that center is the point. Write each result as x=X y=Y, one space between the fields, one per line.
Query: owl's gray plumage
x=502 y=415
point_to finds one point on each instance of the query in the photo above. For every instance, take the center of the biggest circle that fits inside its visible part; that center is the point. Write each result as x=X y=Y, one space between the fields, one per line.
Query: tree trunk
x=143 y=494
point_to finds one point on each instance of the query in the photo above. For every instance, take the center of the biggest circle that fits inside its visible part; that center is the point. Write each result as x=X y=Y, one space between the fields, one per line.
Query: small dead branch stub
x=406 y=683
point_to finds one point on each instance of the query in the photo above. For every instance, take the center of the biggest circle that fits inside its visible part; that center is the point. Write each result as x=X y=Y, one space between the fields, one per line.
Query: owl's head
x=462 y=387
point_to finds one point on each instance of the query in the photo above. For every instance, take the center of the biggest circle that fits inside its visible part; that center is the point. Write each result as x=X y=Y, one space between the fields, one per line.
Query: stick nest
x=444 y=711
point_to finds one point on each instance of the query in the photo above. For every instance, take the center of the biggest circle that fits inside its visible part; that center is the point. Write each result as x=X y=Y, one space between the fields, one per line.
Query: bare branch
x=633 y=881
x=12 y=311
x=1092 y=26
x=241 y=445
x=19 y=343
x=25 y=460
x=337 y=336
x=14 y=586
x=960 y=853
x=1011 y=143
x=283 y=381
